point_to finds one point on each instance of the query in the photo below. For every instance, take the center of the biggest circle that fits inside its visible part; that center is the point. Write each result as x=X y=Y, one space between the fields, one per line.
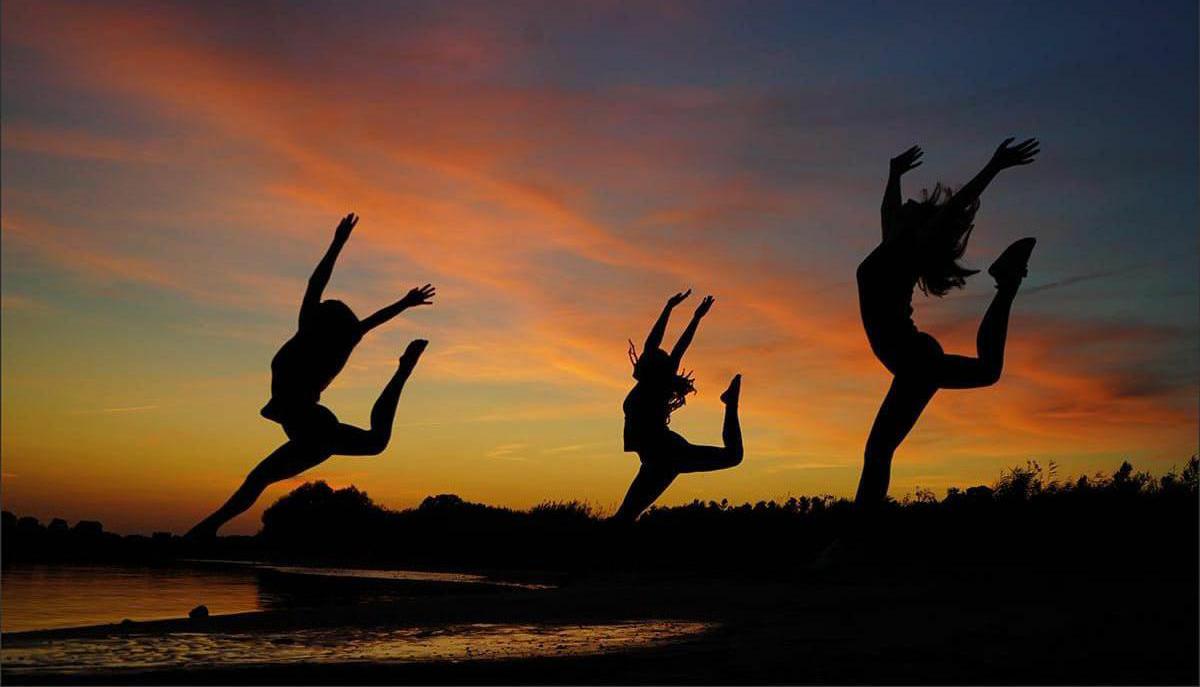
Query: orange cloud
x=554 y=226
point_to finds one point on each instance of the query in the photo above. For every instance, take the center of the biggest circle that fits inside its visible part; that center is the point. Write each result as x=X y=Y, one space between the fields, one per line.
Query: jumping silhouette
x=305 y=365
x=660 y=390
x=922 y=243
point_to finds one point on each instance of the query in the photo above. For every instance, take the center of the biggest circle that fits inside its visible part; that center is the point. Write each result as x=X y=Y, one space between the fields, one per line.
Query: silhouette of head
x=336 y=319
x=656 y=373
x=938 y=269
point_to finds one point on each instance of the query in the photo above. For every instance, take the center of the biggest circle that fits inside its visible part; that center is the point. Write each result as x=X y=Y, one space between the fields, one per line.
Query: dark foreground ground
x=1034 y=580
x=969 y=625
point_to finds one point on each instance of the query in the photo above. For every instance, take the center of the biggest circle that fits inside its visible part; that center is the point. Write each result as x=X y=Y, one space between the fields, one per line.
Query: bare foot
x=412 y=354
x=1011 y=267
x=730 y=397
x=202 y=532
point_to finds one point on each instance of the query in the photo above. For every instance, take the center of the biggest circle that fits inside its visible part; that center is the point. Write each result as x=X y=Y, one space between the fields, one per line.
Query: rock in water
x=198 y=612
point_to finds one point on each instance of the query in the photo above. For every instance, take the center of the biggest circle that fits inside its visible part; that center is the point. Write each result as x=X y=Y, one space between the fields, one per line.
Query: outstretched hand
x=703 y=308
x=1011 y=156
x=678 y=298
x=906 y=161
x=419 y=296
x=345 y=227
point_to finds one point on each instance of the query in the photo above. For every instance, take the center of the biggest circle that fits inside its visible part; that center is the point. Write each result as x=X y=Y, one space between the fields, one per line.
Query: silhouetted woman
x=302 y=369
x=922 y=243
x=661 y=390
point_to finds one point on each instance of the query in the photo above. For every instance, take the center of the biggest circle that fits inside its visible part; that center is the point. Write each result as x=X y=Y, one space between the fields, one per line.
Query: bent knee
x=377 y=444
x=990 y=374
x=735 y=456
x=373 y=448
x=975 y=373
x=727 y=457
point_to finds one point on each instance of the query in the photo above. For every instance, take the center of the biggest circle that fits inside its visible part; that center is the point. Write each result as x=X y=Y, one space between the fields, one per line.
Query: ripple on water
x=339 y=645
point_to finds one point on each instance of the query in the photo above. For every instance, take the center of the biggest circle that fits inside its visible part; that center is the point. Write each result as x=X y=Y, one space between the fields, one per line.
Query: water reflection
x=36 y=597
x=52 y=596
x=399 y=576
x=340 y=645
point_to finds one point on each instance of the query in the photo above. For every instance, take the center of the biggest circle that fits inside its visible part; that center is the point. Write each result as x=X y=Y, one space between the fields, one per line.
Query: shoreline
x=908 y=626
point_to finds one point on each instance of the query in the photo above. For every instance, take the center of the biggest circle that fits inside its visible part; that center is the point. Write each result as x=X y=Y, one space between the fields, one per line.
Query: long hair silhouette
x=662 y=389
x=655 y=371
x=305 y=365
x=938 y=269
x=922 y=243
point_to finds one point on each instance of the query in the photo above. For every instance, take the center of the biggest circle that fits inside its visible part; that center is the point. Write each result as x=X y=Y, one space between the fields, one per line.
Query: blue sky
x=173 y=170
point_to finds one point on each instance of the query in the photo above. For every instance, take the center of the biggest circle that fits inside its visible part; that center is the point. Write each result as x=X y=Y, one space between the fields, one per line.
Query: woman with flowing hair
x=662 y=389
x=304 y=366
x=922 y=244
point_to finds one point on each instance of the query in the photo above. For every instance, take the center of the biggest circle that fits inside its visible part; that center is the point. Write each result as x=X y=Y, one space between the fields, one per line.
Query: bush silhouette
x=315 y=512
x=1028 y=514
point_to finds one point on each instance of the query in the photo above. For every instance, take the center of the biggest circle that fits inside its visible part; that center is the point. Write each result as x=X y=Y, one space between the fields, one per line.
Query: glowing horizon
x=172 y=172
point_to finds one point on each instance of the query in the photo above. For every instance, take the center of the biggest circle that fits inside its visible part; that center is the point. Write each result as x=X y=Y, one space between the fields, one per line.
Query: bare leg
x=897 y=415
x=647 y=486
x=959 y=372
x=710 y=458
x=285 y=462
x=653 y=479
x=294 y=457
x=1009 y=270
x=908 y=396
x=905 y=401
x=349 y=440
x=731 y=431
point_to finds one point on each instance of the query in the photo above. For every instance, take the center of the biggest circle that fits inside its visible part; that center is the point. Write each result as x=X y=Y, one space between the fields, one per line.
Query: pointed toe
x=1012 y=263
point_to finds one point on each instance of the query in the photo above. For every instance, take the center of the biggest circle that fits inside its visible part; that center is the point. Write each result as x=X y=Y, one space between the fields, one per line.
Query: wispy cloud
x=508 y=452
x=116 y=410
x=572 y=448
x=187 y=166
x=773 y=469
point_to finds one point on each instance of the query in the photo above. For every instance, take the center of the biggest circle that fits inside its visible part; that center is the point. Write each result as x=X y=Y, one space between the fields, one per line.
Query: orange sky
x=172 y=173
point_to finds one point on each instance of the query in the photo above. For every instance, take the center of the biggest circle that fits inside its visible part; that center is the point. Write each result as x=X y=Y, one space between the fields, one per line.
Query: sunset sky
x=173 y=171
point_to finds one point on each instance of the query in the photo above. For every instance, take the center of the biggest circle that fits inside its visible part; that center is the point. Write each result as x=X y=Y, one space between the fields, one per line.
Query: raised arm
x=1004 y=157
x=685 y=339
x=655 y=337
x=324 y=270
x=890 y=209
x=418 y=296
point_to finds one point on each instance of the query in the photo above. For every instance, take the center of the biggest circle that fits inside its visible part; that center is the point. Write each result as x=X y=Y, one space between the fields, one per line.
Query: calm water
x=43 y=597
x=35 y=597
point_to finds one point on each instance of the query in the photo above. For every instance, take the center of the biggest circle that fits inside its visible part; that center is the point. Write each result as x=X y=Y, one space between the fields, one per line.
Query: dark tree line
x=1028 y=514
